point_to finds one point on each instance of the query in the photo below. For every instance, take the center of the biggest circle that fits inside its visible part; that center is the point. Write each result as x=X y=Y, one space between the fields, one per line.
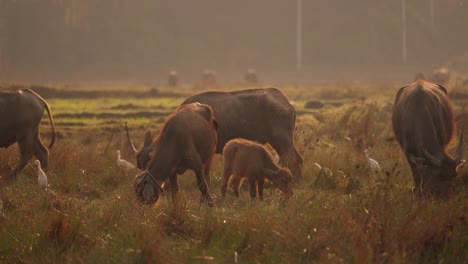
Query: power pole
x=404 y=55
x=299 y=36
x=432 y=15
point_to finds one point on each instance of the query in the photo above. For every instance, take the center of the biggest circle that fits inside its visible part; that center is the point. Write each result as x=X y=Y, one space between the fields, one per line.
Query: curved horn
x=460 y=148
x=130 y=140
x=434 y=160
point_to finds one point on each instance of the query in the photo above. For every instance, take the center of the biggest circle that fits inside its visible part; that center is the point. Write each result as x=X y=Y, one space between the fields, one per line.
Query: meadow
x=90 y=214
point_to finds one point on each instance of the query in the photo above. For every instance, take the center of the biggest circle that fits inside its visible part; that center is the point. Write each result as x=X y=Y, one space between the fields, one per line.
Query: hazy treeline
x=115 y=39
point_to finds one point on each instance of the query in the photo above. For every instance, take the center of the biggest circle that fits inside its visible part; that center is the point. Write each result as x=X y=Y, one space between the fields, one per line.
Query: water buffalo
x=208 y=78
x=172 y=79
x=424 y=124
x=144 y=155
x=187 y=141
x=22 y=112
x=245 y=159
x=261 y=115
x=251 y=77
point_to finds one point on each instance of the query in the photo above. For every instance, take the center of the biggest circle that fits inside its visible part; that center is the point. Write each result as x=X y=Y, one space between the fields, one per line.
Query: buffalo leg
x=206 y=172
x=193 y=161
x=26 y=154
x=174 y=189
x=203 y=187
x=41 y=152
x=225 y=181
x=253 y=189
x=236 y=183
x=261 y=183
x=289 y=156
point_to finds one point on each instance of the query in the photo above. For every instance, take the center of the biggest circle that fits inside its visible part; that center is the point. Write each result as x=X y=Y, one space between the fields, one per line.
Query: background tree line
x=124 y=39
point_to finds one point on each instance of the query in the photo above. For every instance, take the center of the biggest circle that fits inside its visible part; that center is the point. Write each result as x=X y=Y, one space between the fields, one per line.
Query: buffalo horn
x=130 y=140
x=460 y=149
x=434 y=160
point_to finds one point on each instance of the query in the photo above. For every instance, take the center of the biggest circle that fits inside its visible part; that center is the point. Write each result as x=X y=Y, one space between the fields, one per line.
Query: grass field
x=90 y=214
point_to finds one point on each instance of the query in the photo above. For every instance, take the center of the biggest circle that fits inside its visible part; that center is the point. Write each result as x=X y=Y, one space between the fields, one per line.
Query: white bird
x=41 y=176
x=123 y=163
x=323 y=170
x=317 y=165
x=373 y=164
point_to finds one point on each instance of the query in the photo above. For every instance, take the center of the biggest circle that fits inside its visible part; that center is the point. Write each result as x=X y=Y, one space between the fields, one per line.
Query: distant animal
x=245 y=159
x=251 y=77
x=187 y=140
x=440 y=76
x=41 y=176
x=208 y=78
x=261 y=115
x=123 y=163
x=424 y=124
x=373 y=164
x=419 y=76
x=21 y=113
x=173 y=79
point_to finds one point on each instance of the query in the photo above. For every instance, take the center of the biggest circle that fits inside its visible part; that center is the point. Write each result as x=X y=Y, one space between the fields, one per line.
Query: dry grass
x=90 y=214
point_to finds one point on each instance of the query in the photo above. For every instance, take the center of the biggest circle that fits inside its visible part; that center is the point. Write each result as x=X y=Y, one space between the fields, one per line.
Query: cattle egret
x=373 y=164
x=41 y=176
x=323 y=170
x=123 y=163
x=318 y=166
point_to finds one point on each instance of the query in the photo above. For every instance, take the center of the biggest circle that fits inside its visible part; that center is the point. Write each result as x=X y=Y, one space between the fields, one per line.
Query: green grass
x=90 y=213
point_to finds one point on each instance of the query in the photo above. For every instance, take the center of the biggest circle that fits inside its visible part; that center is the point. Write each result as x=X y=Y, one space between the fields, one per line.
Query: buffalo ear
x=434 y=160
x=416 y=161
x=148 y=139
x=442 y=88
x=151 y=154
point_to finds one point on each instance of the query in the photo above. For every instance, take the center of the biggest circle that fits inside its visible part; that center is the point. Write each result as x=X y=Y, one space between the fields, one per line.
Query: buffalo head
x=147 y=188
x=146 y=153
x=435 y=174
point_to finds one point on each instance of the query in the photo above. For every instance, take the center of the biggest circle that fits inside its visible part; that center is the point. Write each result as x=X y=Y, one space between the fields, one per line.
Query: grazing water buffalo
x=251 y=77
x=172 y=80
x=208 y=78
x=187 y=141
x=423 y=122
x=261 y=115
x=22 y=112
x=245 y=159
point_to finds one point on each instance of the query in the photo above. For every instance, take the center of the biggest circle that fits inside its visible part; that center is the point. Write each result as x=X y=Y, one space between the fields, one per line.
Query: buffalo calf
x=245 y=159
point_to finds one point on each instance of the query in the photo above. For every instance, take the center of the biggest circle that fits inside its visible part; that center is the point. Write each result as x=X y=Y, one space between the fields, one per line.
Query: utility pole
x=404 y=55
x=299 y=36
x=432 y=15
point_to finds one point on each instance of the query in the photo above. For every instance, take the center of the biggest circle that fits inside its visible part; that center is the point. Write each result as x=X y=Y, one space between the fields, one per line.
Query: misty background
x=142 y=40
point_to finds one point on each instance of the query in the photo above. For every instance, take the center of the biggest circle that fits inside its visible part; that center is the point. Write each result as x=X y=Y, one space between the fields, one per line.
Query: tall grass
x=90 y=214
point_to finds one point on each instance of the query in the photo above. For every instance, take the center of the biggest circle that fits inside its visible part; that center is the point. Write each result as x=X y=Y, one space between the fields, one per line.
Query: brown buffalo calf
x=245 y=159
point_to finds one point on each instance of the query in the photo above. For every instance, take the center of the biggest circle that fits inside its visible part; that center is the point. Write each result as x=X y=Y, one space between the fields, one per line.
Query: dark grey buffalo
x=21 y=113
x=187 y=141
x=424 y=125
x=261 y=115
